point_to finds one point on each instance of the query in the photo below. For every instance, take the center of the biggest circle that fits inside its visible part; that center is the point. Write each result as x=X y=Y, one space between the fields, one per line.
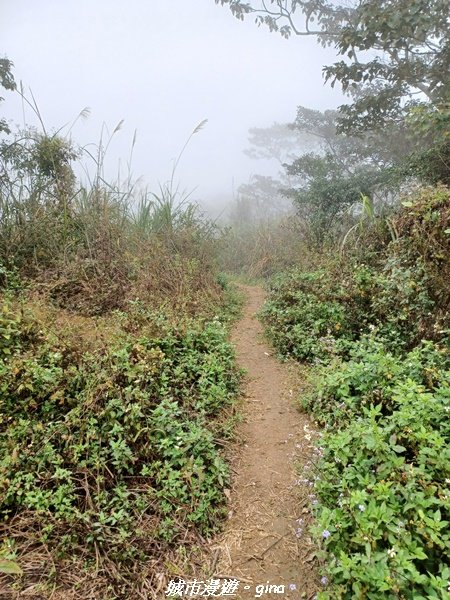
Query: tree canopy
x=6 y=82
x=395 y=53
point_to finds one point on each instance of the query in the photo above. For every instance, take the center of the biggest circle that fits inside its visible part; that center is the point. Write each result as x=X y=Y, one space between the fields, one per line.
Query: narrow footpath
x=265 y=540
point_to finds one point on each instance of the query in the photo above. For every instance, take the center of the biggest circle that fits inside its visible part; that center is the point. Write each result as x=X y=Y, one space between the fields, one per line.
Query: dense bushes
x=302 y=316
x=116 y=378
x=398 y=289
x=376 y=324
x=368 y=377
x=111 y=453
x=94 y=247
x=384 y=485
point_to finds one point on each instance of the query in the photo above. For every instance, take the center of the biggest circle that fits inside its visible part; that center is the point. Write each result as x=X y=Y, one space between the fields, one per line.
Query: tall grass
x=96 y=240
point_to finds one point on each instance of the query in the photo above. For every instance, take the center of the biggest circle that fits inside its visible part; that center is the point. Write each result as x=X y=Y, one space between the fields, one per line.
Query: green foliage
x=327 y=193
x=330 y=178
x=314 y=316
x=430 y=127
x=368 y=376
x=401 y=303
x=116 y=376
x=377 y=324
x=391 y=53
x=431 y=166
x=117 y=446
x=6 y=82
x=9 y=329
x=423 y=225
x=301 y=318
x=97 y=247
x=384 y=478
x=52 y=156
x=400 y=292
x=391 y=50
x=36 y=199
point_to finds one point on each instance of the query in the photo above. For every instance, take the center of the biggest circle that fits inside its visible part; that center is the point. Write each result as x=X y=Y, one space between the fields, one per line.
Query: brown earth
x=265 y=541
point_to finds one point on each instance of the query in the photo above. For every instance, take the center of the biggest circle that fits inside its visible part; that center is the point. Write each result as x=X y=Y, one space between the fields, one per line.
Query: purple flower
x=298 y=532
x=292 y=587
x=324 y=580
x=326 y=534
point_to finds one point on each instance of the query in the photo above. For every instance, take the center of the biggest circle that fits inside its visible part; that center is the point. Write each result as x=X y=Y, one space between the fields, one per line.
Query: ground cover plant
x=109 y=452
x=375 y=324
x=383 y=486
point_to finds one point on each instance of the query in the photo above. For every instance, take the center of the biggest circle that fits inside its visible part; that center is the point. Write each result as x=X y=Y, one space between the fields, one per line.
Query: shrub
x=302 y=319
x=402 y=291
x=112 y=453
x=384 y=482
x=424 y=229
x=382 y=393
x=368 y=377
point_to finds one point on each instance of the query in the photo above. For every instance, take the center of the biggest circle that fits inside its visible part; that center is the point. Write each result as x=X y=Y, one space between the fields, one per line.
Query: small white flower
x=391 y=552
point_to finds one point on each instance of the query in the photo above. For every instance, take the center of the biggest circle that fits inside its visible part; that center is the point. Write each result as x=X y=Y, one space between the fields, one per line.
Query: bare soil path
x=265 y=541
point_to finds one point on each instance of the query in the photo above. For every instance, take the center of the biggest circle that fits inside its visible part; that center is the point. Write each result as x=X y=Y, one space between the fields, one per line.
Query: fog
x=162 y=67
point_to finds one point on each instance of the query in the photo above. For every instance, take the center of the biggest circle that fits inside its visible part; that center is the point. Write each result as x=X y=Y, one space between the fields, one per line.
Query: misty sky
x=162 y=66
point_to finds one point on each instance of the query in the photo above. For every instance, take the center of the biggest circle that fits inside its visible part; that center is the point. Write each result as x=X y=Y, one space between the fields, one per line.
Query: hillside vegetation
x=117 y=380
x=363 y=295
x=375 y=324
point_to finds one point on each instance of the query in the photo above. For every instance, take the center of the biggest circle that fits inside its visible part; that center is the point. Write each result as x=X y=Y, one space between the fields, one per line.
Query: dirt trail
x=263 y=543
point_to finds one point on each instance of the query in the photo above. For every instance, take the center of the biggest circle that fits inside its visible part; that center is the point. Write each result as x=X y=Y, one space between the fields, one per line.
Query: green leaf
x=399 y=449
x=10 y=567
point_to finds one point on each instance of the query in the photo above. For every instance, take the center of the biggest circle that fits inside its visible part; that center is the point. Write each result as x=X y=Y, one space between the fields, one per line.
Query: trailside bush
x=368 y=376
x=315 y=316
x=301 y=317
x=377 y=325
x=401 y=291
x=113 y=452
x=423 y=225
x=384 y=486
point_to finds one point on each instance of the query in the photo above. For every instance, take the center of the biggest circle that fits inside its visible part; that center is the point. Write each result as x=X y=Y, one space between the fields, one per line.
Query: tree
x=261 y=199
x=430 y=162
x=327 y=191
x=324 y=171
x=395 y=52
x=332 y=173
x=279 y=142
x=374 y=148
x=6 y=82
